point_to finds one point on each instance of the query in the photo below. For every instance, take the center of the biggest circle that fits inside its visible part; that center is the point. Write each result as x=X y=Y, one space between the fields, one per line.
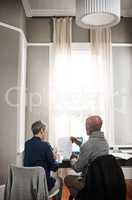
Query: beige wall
x=9 y=47
x=37 y=83
x=12 y=13
x=40 y=30
x=122 y=33
x=122 y=74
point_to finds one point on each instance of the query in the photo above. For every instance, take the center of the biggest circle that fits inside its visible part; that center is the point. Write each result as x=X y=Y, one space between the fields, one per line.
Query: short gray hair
x=36 y=126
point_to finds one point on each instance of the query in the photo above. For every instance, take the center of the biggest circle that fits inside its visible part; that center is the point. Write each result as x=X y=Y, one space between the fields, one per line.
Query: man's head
x=39 y=130
x=93 y=123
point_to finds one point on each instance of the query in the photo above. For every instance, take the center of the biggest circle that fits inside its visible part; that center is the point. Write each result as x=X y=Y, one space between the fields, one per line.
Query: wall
x=11 y=12
x=9 y=48
x=122 y=70
x=122 y=33
x=37 y=86
x=40 y=30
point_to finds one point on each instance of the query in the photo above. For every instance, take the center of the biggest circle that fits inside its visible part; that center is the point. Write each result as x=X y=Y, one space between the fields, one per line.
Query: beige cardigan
x=26 y=183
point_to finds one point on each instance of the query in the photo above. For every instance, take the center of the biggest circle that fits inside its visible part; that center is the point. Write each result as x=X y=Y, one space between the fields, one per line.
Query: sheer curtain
x=81 y=83
x=102 y=52
x=62 y=38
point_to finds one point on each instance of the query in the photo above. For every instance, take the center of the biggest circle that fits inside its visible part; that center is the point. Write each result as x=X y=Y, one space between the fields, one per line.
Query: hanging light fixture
x=97 y=13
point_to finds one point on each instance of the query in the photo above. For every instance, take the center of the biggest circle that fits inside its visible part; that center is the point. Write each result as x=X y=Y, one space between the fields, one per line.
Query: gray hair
x=36 y=126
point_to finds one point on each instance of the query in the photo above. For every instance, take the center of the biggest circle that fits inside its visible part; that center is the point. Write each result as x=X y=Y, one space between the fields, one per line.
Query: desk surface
x=65 y=164
x=121 y=155
x=122 y=162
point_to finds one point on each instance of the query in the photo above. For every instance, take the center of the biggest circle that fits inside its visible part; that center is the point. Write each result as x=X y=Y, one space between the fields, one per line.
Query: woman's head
x=39 y=129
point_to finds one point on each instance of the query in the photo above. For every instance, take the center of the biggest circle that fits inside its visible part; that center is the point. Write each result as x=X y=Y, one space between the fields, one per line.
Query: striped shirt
x=94 y=147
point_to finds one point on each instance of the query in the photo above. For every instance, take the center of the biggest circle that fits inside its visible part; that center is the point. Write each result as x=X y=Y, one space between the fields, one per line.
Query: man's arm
x=76 y=141
x=82 y=162
x=53 y=165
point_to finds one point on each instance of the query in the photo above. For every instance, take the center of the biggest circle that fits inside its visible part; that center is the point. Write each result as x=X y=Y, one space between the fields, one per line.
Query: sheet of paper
x=65 y=147
x=122 y=155
x=129 y=151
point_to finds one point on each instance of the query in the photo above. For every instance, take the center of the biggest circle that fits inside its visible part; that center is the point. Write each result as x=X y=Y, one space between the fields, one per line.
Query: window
x=79 y=94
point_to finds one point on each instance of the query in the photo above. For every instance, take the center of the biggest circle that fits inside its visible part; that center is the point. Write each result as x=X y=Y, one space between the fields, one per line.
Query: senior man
x=94 y=147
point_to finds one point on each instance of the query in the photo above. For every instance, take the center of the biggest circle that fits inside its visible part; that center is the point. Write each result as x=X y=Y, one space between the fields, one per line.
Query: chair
x=104 y=180
x=27 y=183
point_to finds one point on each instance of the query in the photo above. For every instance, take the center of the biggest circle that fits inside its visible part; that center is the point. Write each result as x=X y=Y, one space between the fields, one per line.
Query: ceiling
x=63 y=8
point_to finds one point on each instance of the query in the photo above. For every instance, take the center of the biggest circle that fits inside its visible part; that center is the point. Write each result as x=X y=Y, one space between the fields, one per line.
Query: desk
x=122 y=155
x=65 y=164
x=66 y=169
x=122 y=162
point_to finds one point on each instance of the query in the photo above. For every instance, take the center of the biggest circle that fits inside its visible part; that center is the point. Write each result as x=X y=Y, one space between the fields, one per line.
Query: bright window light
x=79 y=93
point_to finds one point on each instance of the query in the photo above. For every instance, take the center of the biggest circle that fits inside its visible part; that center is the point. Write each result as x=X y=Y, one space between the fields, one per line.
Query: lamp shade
x=97 y=13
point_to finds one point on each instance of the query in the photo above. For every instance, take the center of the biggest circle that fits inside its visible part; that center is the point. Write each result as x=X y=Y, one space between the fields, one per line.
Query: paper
x=129 y=151
x=65 y=147
x=122 y=155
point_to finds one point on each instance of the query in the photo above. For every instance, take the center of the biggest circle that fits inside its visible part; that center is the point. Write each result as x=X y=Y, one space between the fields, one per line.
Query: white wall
x=122 y=69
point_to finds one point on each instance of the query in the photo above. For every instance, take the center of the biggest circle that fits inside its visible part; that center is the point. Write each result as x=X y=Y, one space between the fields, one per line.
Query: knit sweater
x=94 y=147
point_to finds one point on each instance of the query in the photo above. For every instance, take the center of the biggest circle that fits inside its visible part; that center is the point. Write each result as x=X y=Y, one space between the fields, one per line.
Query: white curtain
x=62 y=37
x=102 y=52
x=81 y=83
